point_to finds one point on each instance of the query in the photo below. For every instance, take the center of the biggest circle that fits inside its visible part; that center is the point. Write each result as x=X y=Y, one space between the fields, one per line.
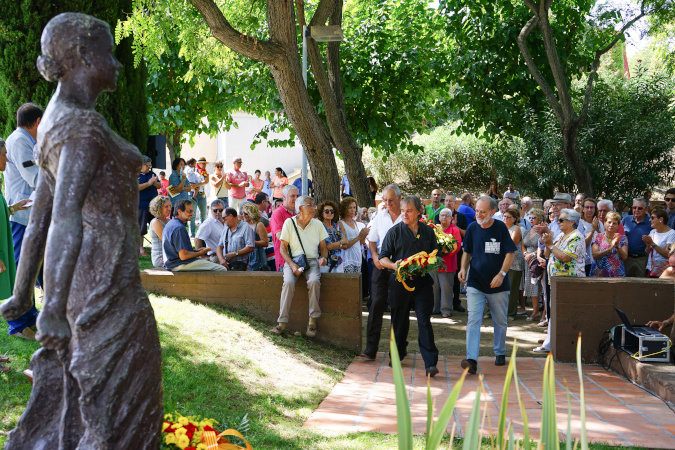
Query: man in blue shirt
x=21 y=176
x=298 y=184
x=637 y=226
x=669 y=198
x=466 y=209
x=179 y=255
x=489 y=250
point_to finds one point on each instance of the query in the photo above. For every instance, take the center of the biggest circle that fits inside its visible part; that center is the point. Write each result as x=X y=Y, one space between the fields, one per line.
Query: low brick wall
x=587 y=305
x=658 y=378
x=258 y=294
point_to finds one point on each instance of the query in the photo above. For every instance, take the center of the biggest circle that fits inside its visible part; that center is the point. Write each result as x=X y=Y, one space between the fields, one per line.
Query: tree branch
x=596 y=60
x=251 y=47
x=323 y=12
x=527 y=56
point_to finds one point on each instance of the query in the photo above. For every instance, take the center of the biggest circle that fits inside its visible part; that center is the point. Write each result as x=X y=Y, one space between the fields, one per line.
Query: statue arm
x=77 y=166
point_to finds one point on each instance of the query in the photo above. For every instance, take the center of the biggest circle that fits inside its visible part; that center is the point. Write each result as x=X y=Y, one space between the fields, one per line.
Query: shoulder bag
x=300 y=260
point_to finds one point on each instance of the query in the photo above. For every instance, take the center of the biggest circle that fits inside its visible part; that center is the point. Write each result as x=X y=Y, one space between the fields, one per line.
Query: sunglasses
x=639 y=208
x=589 y=207
x=329 y=211
x=217 y=210
x=669 y=199
x=563 y=220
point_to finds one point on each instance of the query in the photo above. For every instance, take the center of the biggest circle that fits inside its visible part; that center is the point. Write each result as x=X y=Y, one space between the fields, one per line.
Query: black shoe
x=368 y=356
x=500 y=360
x=432 y=371
x=459 y=308
x=471 y=364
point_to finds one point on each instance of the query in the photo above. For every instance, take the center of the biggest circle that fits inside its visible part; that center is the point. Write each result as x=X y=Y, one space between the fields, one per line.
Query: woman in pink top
x=255 y=186
x=278 y=183
x=443 y=280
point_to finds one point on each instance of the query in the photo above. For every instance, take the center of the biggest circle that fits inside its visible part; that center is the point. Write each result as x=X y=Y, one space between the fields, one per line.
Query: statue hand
x=53 y=330
x=15 y=307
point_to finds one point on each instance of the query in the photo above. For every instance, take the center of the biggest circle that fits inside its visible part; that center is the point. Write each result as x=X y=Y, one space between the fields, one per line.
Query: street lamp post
x=332 y=33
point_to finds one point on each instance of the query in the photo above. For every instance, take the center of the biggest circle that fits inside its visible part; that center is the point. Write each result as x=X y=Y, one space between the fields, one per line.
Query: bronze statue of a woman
x=97 y=379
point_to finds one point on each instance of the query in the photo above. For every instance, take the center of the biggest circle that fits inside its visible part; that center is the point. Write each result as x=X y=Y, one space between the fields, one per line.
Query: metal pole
x=305 y=191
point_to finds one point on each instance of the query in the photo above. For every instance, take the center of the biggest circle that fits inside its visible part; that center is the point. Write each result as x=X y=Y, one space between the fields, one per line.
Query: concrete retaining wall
x=258 y=294
x=586 y=305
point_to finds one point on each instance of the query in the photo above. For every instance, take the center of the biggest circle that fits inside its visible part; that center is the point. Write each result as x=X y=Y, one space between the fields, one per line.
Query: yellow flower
x=432 y=260
x=197 y=437
x=206 y=422
x=180 y=432
x=183 y=442
x=202 y=447
x=170 y=438
x=183 y=420
x=165 y=425
x=168 y=417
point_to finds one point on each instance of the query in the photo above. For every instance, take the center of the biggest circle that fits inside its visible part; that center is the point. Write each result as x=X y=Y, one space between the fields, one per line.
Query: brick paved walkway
x=618 y=412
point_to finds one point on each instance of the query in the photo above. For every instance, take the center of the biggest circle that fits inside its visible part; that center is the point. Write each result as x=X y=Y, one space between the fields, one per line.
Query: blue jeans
x=201 y=203
x=475 y=302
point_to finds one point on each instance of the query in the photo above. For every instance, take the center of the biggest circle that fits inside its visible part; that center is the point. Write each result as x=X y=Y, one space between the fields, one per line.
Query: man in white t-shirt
x=512 y=194
x=379 y=226
x=210 y=231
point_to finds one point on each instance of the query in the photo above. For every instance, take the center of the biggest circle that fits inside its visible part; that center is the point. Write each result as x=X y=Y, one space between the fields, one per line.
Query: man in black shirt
x=405 y=239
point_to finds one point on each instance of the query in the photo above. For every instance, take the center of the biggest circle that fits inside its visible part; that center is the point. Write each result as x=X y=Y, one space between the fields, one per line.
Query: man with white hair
x=379 y=226
x=302 y=234
x=289 y=194
x=489 y=251
x=504 y=204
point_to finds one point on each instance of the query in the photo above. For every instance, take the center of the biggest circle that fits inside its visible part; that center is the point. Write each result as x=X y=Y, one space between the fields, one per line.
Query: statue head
x=77 y=47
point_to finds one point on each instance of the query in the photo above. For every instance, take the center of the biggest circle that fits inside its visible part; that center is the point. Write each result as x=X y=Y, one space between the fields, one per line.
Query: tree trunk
x=582 y=175
x=302 y=114
x=173 y=145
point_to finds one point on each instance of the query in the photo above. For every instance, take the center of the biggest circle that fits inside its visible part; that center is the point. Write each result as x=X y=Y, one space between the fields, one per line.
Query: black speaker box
x=157 y=150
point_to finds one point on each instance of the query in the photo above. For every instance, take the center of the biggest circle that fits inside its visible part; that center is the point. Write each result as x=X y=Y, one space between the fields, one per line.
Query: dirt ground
x=450 y=334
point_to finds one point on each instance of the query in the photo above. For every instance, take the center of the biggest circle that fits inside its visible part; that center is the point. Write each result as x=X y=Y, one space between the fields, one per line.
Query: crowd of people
x=504 y=261
x=259 y=223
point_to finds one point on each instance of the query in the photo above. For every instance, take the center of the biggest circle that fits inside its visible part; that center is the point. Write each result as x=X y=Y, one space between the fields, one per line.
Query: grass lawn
x=222 y=364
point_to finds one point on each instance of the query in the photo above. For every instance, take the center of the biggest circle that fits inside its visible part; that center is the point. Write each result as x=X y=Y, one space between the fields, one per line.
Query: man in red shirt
x=285 y=211
x=236 y=183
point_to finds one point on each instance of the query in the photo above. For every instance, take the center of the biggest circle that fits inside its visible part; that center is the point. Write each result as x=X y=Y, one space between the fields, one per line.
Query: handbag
x=300 y=260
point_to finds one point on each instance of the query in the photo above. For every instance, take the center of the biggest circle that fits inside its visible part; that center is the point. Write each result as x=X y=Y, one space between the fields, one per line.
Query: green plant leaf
x=403 y=418
x=582 y=400
x=523 y=413
x=505 y=399
x=434 y=438
x=472 y=439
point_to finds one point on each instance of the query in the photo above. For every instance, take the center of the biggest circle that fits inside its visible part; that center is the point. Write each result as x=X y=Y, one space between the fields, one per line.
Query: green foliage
x=21 y=24
x=627 y=142
x=394 y=60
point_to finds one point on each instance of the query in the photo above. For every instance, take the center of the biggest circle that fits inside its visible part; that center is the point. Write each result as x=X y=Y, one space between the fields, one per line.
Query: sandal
x=4 y=369
x=541 y=350
x=26 y=333
x=4 y=359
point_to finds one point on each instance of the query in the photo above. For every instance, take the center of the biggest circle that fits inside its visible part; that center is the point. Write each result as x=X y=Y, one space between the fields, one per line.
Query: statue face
x=103 y=67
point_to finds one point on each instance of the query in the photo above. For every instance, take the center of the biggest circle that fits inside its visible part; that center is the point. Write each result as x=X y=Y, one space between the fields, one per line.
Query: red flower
x=209 y=428
x=190 y=430
x=190 y=448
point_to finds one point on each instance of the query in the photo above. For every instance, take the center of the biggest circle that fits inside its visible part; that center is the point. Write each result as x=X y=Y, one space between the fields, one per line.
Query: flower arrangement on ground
x=416 y=266
x=191 y=433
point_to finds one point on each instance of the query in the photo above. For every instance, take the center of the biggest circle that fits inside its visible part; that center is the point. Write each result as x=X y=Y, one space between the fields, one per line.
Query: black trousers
x=422 y=299
x=378 y=302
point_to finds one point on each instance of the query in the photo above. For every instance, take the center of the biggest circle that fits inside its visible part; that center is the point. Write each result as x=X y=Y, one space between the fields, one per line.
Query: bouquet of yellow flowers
x=418 y=265
x=190 y=433
x=446 y=242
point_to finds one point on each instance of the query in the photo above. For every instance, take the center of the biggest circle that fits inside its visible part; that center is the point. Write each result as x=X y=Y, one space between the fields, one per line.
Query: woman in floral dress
x=610 y=249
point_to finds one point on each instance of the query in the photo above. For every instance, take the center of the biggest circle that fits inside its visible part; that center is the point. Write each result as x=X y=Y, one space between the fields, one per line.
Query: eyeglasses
x=589 y=207
x=310 y=205
x=246 y=214
x=563 y=220
x=669 y=199
x=654 y=217
x=639 y=208
x=217 y=210
x=328 y=211
x=507 y=217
